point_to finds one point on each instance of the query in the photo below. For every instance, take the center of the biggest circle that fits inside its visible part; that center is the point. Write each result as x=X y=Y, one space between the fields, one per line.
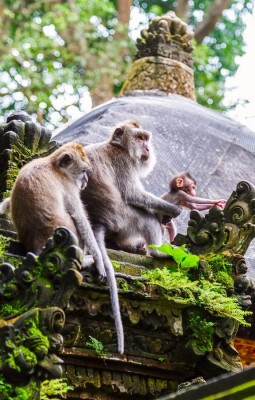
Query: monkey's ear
x=179 y=182
x=65 y=160
x=117 y=136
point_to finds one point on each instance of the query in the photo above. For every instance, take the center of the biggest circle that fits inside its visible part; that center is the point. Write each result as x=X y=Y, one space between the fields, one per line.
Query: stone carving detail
x=53 y=292
x=166 y=36
x=30 y=336
x=163 y=61
x=47 y=279
x=231 y=229
x=28 y=347
x=156 y=329
x=21 y=140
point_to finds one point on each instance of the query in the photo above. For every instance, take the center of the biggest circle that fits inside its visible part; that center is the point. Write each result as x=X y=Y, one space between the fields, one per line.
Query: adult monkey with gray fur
x=119 y=207
x=45 y=196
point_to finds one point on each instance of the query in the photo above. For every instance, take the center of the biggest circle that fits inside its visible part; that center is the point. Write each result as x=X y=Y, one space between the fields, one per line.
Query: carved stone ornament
x=167 y=36
x=44 y=280
x=163 y=342
x=163 y=61
x=173 y=333
x=21 y=140
x=30 y=336
x=230 y=229
x=27 y=353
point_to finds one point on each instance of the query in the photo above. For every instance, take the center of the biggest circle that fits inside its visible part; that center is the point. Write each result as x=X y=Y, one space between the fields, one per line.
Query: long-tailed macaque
x=45 y=196
x=118 y=206
x=182 y=191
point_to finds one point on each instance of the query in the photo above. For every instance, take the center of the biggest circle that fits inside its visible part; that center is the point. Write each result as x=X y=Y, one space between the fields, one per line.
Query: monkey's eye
x=65 y=160
x=143 y=136
x=139 y=137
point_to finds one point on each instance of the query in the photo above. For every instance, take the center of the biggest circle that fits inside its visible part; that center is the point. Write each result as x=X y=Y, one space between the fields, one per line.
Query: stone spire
x=163 y=60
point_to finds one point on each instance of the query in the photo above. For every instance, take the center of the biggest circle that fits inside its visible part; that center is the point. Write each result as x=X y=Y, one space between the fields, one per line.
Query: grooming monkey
x=45 y=196
x=118 y=206
x=182 y=191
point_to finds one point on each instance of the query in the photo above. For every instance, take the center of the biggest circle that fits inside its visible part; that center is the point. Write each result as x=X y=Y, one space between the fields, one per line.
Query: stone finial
x=166 y=30
x=163 y=60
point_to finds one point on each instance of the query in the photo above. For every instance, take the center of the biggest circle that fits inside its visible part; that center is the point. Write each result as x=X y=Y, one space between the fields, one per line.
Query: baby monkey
x=183 y=192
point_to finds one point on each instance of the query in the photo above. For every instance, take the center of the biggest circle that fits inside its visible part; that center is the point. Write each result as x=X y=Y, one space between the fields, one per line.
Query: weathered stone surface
x=167 y=75
x=162 y=348
x=163 y=61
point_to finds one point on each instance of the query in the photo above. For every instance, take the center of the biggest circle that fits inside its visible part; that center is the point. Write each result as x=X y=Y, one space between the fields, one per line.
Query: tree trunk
x=123 y=7
x=210 y=19
x=104 y=89
x=182 y=9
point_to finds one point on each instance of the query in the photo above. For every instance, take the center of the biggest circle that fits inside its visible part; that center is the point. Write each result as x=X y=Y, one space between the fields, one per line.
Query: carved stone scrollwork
x=30 y=336
x=21 y=140
x=243 y=284
x=47 y=279
x=230 y=229
x=224 y=353
x=28 y=346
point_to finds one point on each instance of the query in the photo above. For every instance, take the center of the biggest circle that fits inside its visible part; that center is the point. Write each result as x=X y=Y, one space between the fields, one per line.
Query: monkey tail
x=5 y=207
x=100 y=236
x=115 y=302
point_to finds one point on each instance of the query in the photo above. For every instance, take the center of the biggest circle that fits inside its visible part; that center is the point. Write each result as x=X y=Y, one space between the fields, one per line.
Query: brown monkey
x=183 y=192
x=119 y=207
x=45 y=196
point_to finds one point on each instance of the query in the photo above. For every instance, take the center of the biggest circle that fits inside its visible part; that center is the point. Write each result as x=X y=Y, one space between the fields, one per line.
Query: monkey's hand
x=101 y=270
x=221 y=203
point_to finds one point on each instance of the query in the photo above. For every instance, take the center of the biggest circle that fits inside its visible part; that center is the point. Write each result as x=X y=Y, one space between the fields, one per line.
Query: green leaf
x=179 y=254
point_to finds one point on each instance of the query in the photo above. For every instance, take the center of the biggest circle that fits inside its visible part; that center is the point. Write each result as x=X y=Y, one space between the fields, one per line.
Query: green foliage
x=8 y=309
x=180 y=255
x=220 y=270
x=214 y=299
x=54 y=387
x=177 y=285
x=4 y=244
x=11 y=392
x=198 y=323
x=5 y=389
x=96 y=345
x=14 y=261
x=208 y=290
x=54 y=53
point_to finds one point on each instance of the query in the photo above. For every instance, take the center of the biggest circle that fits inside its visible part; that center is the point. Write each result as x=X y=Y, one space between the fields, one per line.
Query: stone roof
x=216 y=150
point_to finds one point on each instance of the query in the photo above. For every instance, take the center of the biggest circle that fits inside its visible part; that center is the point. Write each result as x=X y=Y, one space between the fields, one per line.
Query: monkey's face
x=135 y=145
x=73 y=162
x=190 y=188
x=142 y=143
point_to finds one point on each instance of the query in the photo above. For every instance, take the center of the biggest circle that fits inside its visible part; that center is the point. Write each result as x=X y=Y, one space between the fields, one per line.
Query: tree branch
x=182 y=9
x=210 y=19
x=124 y=10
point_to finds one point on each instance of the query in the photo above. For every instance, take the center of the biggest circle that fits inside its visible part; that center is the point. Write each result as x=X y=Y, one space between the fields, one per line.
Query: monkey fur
x=45 y=196
x=119 y=207
x=182 y=191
